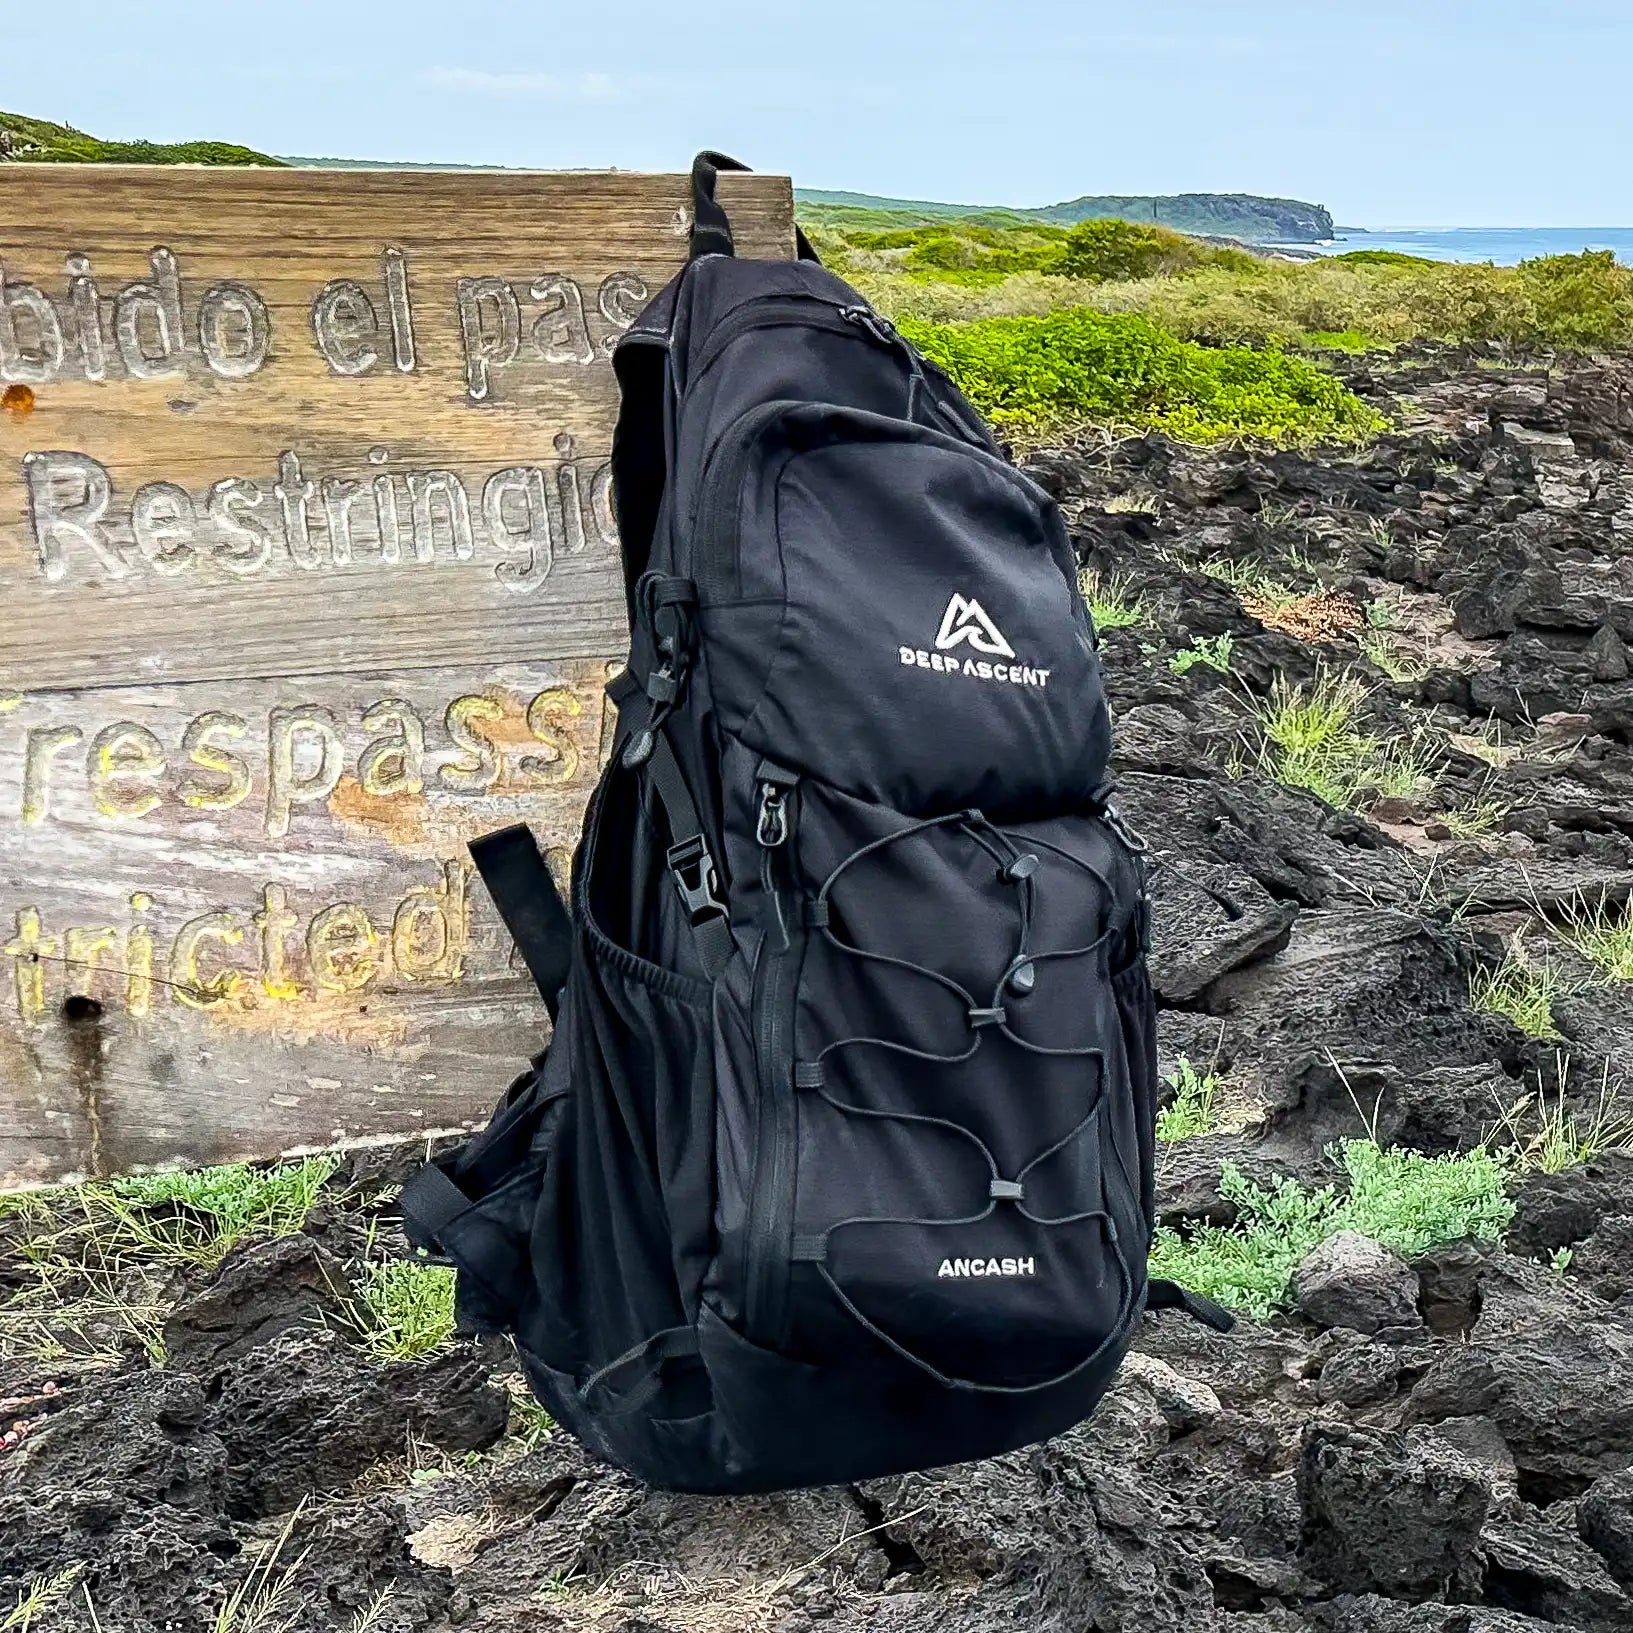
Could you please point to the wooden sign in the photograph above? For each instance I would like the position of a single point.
(309, 574)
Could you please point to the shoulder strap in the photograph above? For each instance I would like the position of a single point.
(525, 893)
(711, 227)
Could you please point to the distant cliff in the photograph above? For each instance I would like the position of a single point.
(24, 140)
(1246, 216)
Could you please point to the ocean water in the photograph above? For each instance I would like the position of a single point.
(1503, 245)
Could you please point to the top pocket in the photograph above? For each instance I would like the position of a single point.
(895, 612)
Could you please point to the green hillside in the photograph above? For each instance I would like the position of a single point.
(24, 140)
(1246, 216)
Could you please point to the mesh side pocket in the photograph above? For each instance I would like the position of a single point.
(1137, 1010)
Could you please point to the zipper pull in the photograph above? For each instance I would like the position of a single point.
(881, 328)
(776, 782)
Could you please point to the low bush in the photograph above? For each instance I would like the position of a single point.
(1043, 377)
(1403, 1199)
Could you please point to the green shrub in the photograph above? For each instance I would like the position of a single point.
(38, 141)
(1382, 257)
(1040, 377)
(1106, 249)
(1403, 1199)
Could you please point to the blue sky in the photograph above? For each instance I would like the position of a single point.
(1438, 112)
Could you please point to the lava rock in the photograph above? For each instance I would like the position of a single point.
(257, 1294)
(1549, 1572)
(1604, 1517)
(1552, 1211)
(1605, 1261)
(309, 1414)
(1391, 1513)
(141, 1438)
(1351, 1281)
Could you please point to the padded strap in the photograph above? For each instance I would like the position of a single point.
(525, 893)
(1169, 1295)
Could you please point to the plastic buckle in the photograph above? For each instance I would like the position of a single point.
(695, 878)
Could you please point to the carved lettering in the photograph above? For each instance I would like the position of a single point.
(620, 299)
(246, 541)
(516, 513)
(395, 265)
(41, 747)
(562, 334)
(305, 757)
(162, 519)
(393, 763)
(549, 717)
(31, 349)
(232, 769)
(490, 326)
(147, 321)
(234, 331)
(86, 302)
(343, 948)
(346, 327)
(121, 754)
(190, 985)
(479, 769)
(68, 497)
(441, 493)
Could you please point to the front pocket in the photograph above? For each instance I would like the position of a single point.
(930, 1162)
(906, 626)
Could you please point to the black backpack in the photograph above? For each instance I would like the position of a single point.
(840, 1162)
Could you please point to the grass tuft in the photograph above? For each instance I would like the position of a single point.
(1546, 1135)
(408, 1308)
(1311, 738)
(1520, 988)
(1405, 1200)
(1109, 601)
(1191, 1112)
(1603, 936)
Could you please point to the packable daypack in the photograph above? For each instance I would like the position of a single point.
(840, 1160)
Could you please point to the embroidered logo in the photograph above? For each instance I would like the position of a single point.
(966, 620)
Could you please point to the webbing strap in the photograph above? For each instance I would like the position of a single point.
(671, 1344)
(711, 229)
(1162, 1294)
(690, 862)
(429, 1203)
(525, 893)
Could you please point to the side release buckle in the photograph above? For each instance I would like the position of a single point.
(695, 878)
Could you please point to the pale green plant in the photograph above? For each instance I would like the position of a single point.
(1407, 1201)
(1191, 1111)
(1110, 603)
(1212, 651)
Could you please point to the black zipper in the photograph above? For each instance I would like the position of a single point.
(769, 312)
(776, 1133)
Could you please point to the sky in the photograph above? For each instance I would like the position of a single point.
(1390, 112)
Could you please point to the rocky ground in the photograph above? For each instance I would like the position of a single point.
(1444, 1446)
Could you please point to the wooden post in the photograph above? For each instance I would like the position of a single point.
(309, 574)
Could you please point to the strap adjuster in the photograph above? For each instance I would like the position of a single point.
(695, 878)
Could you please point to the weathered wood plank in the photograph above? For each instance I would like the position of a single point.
(310, 576)
(237, 917)
(294, 393)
